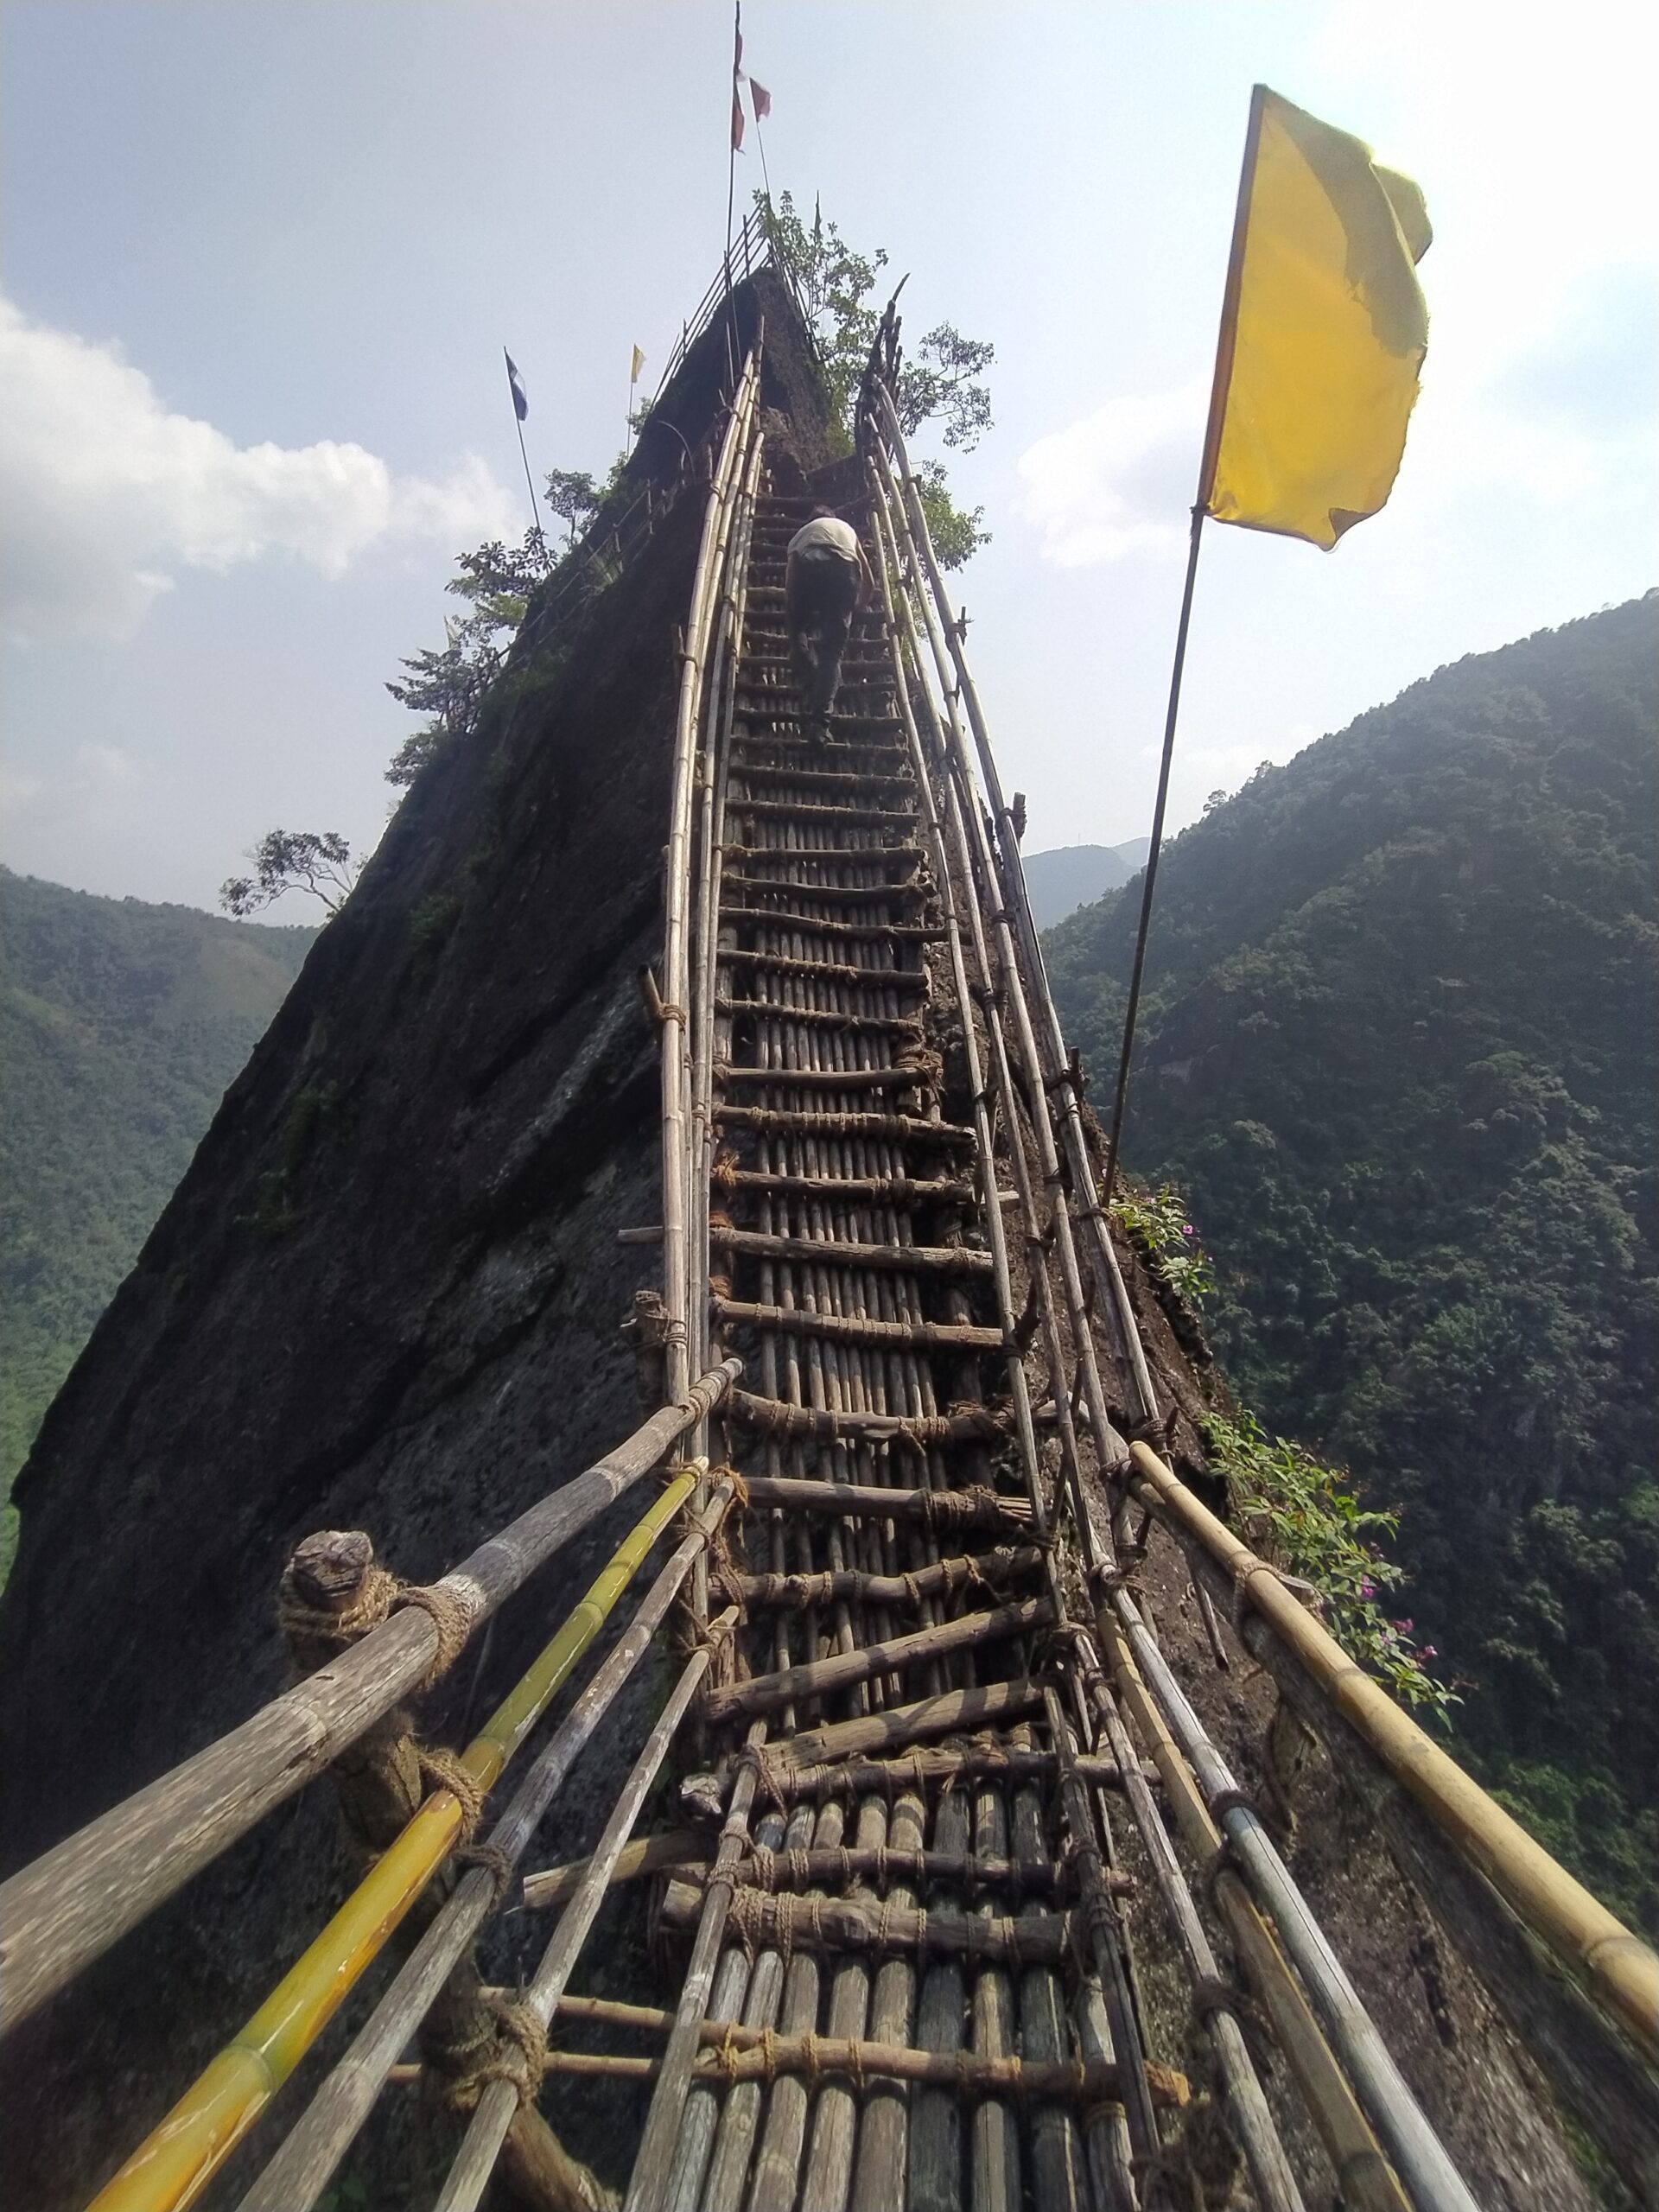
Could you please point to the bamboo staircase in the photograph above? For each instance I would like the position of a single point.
(930, 1749)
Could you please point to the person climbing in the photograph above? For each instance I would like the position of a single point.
(824, 585)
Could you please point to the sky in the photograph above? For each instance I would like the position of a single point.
(258, 263)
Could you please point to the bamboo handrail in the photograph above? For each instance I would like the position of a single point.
(68, 1907)
(469, 2175)
(319, 2138)
(177, 2159)
(1619, 1970)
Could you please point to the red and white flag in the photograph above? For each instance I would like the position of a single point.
(737, 122)
(760, 97)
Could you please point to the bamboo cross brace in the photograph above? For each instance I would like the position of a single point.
(822, 1678)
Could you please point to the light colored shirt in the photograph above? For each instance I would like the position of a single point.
(826, 534)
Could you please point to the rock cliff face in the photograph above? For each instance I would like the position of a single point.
(385, 1295)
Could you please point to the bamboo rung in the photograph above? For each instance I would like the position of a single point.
(767, 810)
(876, 1928)
(822, 1678)
(886, 1190)
(820, 1017)
(759, 1593)
(840, 971)
(795, 1120)
(940, 1510)
(971, 2073)
(897, 1078)
(829, 856)
(797, 922)
(953, 1712)
(923, 1768)
(810, 1868)
(772, 1417)
(849, 1329)
(907, 1259)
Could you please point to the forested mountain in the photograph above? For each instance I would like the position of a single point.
(121, 1025)
(1074, 875)
(1399, 1049)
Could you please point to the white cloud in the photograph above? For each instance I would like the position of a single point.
(1118, 482)
(106, 494)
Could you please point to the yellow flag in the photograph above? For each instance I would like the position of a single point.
(1323, 332)
(638, 364)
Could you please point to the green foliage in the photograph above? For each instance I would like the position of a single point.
(943, 384)
(572, 494)
(449, 686)
(432, 920)
(1160, 1223)
(955, 530)
(1399, 1047)
(1304, 1518)
(121, 1025)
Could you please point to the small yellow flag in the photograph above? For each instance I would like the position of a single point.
(1323, 332)
(638, 364)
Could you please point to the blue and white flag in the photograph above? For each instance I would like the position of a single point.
(520, 405)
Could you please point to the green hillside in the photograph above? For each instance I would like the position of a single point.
(121, 1025)
(1400, 1051)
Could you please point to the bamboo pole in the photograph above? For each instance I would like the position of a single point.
(1362, 2174)
(1056, 1073)
(1418, 2156)
(675, 1042)
(649, 2183)
(319, 2138)
(822, 1678)
(681, 1848)
(67, 1907)
(176, 2160)
(469, 2174)
(773, 1416)
(1621, 1971)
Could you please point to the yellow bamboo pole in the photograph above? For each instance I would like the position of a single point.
(175, 2163)
(1620, 1970)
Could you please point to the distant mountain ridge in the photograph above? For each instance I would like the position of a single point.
(121, 1026)
(1076, 875)
(1400, 1048)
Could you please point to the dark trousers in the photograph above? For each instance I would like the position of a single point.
(821, 596)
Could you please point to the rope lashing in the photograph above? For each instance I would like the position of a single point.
(374, 1594)
(444, 1770)
(516, 2053)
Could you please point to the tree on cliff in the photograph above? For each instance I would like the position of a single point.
(945, 382)
(317, 862)
(496, 581)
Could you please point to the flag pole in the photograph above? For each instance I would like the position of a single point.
(517, 423)
(1223, 378)
(731, 176)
